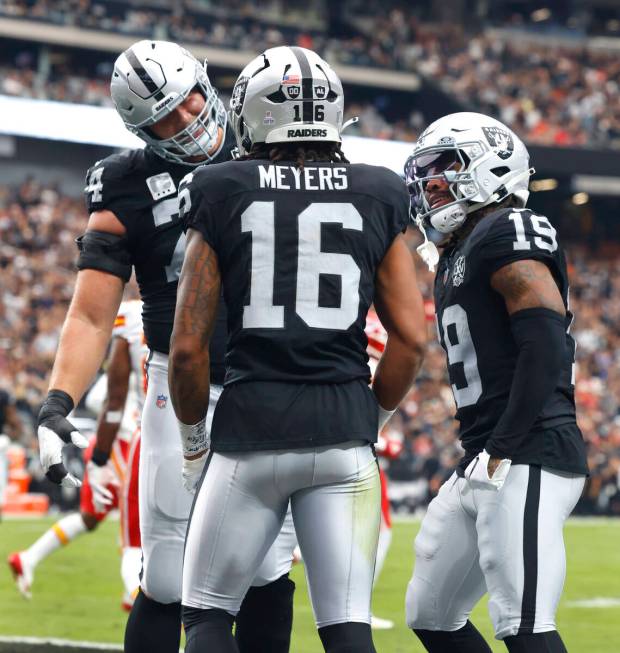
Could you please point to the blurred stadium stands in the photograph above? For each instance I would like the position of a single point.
(548, 78)
(554, 76)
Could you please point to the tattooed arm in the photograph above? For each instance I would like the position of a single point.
(527, 284)
(197, 301)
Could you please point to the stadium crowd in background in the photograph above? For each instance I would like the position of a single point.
(38, 226)
(63, 86)
(552, 95)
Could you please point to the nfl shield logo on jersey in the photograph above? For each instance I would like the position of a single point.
(161, 401)
(458, 274)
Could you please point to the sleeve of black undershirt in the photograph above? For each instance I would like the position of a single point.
(540, 336)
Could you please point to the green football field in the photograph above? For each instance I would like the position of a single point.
(77, 590)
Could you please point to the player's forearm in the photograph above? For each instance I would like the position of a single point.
(397, 370)
(106, 435)
(117, 388)
(197, 300)
(110, 419)
(189, 380)
(80, 354)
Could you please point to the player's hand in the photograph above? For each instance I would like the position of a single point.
(486, 472)
(54, 431)
(100, 478)
(192, 471)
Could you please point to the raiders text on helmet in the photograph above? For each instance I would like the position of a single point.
(286, 94)
(149, 81)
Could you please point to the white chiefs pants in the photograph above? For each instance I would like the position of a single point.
(508, 543)
(335, 498)
(165, 504)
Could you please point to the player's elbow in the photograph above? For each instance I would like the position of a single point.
(412, 342)
(181, 355)
(186, 353)
(417, 344)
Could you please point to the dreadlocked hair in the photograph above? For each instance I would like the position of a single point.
(301, 152)
(510, 202)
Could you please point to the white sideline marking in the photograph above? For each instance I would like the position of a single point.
(581, 521)
(63, 643)
(596, 602)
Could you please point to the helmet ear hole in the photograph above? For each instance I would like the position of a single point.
(501, 171)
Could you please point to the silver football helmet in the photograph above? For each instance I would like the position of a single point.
(481, 160)
(286, 94)
(150, 79)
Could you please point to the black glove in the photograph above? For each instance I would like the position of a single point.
(54, 430)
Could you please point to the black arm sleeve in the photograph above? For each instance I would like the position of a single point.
(540, 335)
(103, 251)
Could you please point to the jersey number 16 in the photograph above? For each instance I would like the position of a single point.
(261, 312)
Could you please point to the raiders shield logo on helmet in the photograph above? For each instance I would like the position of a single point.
(500, 140)
(238, 94)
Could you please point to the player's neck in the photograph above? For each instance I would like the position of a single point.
(474, 218)
(458, 236)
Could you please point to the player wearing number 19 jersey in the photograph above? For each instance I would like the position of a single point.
(501, 301)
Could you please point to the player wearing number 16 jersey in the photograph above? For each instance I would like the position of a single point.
(501, 300)
(301, 242)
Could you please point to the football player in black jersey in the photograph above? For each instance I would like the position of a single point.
(501, 301)
(301, 242)
(164, 96)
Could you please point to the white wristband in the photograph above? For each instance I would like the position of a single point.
(114, 416)
(384, 416)
(194, 437)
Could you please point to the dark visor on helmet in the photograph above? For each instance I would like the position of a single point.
(433, 163)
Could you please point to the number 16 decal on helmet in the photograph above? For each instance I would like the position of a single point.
(287, 94)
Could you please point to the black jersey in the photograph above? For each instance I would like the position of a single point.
(298, 251)
(140, 188)
(474, 329)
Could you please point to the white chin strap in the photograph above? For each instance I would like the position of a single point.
(427, 250)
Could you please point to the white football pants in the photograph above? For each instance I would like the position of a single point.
(335, 497)
(165, 504)
(508, 543)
